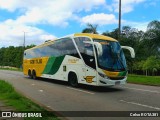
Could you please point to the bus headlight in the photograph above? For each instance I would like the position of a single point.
(102, 75)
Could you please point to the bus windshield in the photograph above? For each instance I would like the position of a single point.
(112, 57)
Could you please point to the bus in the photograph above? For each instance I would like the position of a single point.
(80, 58)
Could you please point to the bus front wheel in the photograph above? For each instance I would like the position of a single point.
(72, 79)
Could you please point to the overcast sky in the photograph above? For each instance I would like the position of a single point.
(47, 19)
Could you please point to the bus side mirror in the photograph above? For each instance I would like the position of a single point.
(130, 49)
(99, 48)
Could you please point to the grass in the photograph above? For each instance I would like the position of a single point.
(146, 80)
(11, 98)
(12, 69)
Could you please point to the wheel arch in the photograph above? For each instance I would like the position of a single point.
(75, 72)
(29, 71)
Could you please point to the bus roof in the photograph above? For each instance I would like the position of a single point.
(41, 45)
(95, 36)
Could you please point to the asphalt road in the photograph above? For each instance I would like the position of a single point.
(59, 96)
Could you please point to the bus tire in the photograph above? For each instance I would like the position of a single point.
(30, 74)
(34, 74)
(72, 79)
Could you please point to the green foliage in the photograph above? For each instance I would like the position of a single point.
(12, 56)
(139, 65)
(90, 29)
(113, 34)
(152, 64)
(20, 103)
(5, 87)
(146, 80)
(154, 25)
(146, 46)
(87, 30)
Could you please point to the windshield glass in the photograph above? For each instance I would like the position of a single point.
(112, 57)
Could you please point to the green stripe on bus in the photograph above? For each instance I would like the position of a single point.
(53, 65)
(122, 73)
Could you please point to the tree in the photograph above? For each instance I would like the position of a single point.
(154, 25)
(90, 29)
(152, 64)
(153, 39)
(2, 56)
(113, 34)
(12, 56)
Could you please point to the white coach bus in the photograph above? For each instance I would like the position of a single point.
(79, 58)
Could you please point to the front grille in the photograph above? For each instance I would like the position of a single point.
(116, 78)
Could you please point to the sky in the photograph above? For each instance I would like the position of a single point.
(42, 20)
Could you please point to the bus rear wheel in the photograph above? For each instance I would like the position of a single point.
(72, 79)
(34, 74)
(30, 74)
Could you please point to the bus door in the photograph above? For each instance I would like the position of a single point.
(85, 48)
(90, 65)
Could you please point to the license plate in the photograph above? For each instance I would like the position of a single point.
(117, 83)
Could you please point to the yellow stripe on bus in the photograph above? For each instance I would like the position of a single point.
(111, 74)
(37, 64)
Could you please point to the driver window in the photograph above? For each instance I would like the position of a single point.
(86, 50)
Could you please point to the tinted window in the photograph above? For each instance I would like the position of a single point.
(60, 47)
(86, 50)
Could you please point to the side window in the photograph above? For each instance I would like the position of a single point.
(86, 50)
(67, 47)
(54, 49)
(33, 53)
(60, 47)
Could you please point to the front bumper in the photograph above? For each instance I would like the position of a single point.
(111, 82)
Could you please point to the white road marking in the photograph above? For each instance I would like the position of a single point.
(134, 103)
(142, 90)
(80, 90)
(32, 84)
(40, 90)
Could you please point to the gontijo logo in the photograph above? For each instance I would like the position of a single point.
(89, 79)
